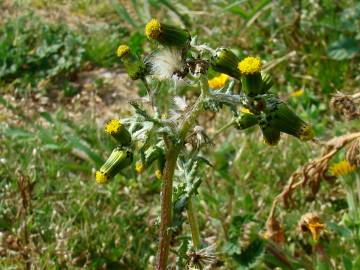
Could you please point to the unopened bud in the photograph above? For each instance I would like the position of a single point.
(281, 117)
(225, 61)
(118, 160)
(167, 35)
(135, 67)
(117, 130)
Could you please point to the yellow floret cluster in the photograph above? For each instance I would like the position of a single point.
(245, 110)
(306, 133)
(139, 167)
(250, 65)
(297, 93)
(158, 174)
(100, 177)
(122, 50)
(342, 168)
(219, 81)
(113, 126)
(153, 29)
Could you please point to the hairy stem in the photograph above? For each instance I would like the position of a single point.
(167, 184)
(222, 129)
(194, 225)
(166, 197)
(150, 95)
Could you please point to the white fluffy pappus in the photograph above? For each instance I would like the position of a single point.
(165, 62)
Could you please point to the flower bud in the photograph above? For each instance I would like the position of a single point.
(152, 154)
(225, 61)
(266, 82)
(118, 131)
(161, 161)
(251, 79)
(271, 135)
(117, 161)
(167, 35)
(246, 120)
(139, 167)
(281, 117)
(135, 68)
(158, 174)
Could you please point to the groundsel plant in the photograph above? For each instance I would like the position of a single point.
(168, 137)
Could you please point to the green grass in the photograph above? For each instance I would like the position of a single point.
(72, 223)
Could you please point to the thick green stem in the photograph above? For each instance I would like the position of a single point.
(194, 225)
(167, 184)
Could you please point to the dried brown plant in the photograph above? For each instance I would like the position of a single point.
(274, 231)
(346, 105)
(310, 223)
(353, 153)
(315, 170)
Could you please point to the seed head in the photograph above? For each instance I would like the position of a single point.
(165, 63)
(345, 105)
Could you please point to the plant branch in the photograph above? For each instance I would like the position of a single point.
(312, 172)
(194, 224)
(222, 129)
(167, 184)
(150, 94)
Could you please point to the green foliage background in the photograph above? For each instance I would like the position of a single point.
(71, 223)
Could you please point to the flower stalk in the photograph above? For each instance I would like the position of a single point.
(172, 155)
(166, 198)
(194, 224)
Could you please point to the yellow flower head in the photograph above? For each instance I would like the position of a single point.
(153, 29)
(245, 110)
(250, 65)
(342, 168)
(158, 174)
(310, 222)
(122, 50)
(219, 81)
(297, 93)
(306, 133)
(113, 126)
(139, 167)
(101, 177)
